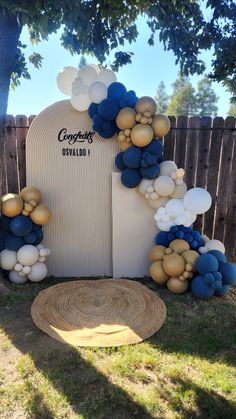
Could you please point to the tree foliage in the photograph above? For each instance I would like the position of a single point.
(206, 98)
(161, 98)
(232, 109)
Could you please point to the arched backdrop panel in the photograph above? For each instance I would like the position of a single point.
(78, 189)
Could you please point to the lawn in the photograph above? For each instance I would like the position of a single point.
(186, 370)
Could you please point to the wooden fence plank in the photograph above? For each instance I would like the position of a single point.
(192, 151)
(203, 161)
(169, 140)
(11, 156)
(224, 177)
(181, 141)
(3, 175)
(212, 174)
(230, 224)
(21, 133)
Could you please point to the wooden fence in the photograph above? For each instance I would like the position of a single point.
(204, 147)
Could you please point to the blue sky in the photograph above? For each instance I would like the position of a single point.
(149, 66)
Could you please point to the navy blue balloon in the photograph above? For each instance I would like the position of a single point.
(218, 255)
(228, 271)
(155, 147)
(93, 108)
(119, 161)
(150, 172)
(31, 237)
(206, 263)
(36, 227)
(108, 109)
(132, 157)
(97, 119)
(200, 288)
(116, 91)
(39, 234)
(223, 291)
(209, 278)
(21, 225)
(13, 242)
(162, 238)
(5, 223)
(131, 178)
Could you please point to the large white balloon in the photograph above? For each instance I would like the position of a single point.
(197, 200)
(38, 272)
(97, 92)
(78, 87)
(65, 78)
(80, 102)
(88, 74)
(107, 77)
(174, 207)
(27, 255)
(215, 245)
(8, 259)
(16, 278)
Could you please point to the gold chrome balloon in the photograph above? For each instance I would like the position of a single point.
(141, 135)
(146, 104)
(160, 125)
(30, 193)
(41, 214)
(12, 205)
(126, 118)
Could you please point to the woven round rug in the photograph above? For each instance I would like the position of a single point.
(106, 312)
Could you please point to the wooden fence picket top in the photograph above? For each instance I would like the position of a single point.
(192, 151)
(11, 155)
(21, 133)
(169, 140)
(180, 141)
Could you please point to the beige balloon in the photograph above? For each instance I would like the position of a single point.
(146, 104)
(160, 125)
(157, 253)
(11, 205)
(179, 246)
(141, 135)
(123, 145)
(30, 193)
(190, 256)
(157, 273)
(176, 286)
(126, 118)
(167, 167)
(164, 185)
(173, 265)
(41, 214)
(159, 202)
(179, 191)
(144, 184)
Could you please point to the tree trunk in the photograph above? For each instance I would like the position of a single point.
(10, 30)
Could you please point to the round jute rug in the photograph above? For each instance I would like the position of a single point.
(106, 312)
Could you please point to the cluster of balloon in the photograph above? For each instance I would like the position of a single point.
(169, 184)
(21, 234)
(193, 237)
(215, 275)
(173, 265)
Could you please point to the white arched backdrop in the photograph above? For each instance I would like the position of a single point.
(86, 236)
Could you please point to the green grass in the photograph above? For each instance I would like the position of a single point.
(186, 370)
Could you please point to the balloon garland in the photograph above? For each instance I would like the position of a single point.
(21, 234)
(182, 257)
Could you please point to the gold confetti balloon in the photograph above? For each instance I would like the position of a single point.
(176, 286)
(126, 118)
(30, 193)
(146, 104)
(41, 214)
(160, 125)
(12, 205)
(141, 135)
(157, 273)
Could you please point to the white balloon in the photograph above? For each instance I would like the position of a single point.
(26, 270)
(16, 278)
(164, 185)
(42, 259)
(107, 77)
(88, 74)
(8, 259)
(175, 207)
(164, 225)
(18, 267)
(65, 78)
(167, 167)
(159, 202)
(43, 252)
(197, 200)
(38, 272)
(205, 238)
(96, 68)
(144, 184)
(78, 87)
(27, 255)
(97, 92)
(80, 102)
(215, 245)
(179, 191)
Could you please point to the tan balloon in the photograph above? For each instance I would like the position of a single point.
(126, 118)
(123, 145)
(30, 193)
(160, 125)
(157, 253)
(141, 135)
(179, 191)
(157, 273)
(176, 286)
(12, 205)
(159, 202)
(41, 214)
(173, 265)
(179, 246)
(167, 167)
(146, 104)
(190, 256)
(164, 185)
